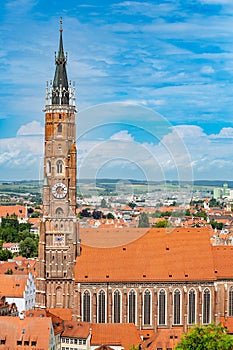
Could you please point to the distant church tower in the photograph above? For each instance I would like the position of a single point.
(58, 246)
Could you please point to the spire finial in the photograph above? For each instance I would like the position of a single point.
(61, 24)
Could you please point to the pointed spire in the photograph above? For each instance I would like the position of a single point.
(60, 94)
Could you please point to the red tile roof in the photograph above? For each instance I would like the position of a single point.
(106, 238)
(111, 334)
(227, 323)
(13, 285)
(64, 314)
(36, 329)
(18, 267)
(164, 339)
(57, 321)
(223, 261)
(76, 329)
(19, 210)
(158, 255)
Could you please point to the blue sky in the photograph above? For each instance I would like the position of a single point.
(153, 84)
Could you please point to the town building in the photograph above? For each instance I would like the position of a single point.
(19, 289)
(12, 247)
(26, 333)
(157, 279)
(7, 309)
(19, 210)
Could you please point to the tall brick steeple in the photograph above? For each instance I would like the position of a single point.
(58, 247)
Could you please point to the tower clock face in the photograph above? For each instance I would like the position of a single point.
(59, 190)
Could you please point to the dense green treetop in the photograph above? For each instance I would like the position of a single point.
(209, 337)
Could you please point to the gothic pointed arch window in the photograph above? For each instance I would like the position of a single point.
(230, 302)
(59, 167)
(101, 307)
(59, 128)
(162, 307)
(58, 297)
(192, 306)
(48, 167)
(177, 307)
(206, 306)
(86, 306)
(117, 307)
(59, 212)
(132, 307)
(147, 307)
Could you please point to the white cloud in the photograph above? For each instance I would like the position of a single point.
(183, 149)
(122, 135)
(32, 128)
(208, 70)
(225, 133)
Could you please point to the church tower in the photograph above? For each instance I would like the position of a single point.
(58, 246)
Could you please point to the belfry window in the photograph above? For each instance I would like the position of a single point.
(132, 306)
(59, 166)
(117, 307)
(86, 306)
(101, 307)
(59, 128)
(48, 167)
(176, 307)
(230, 301)
(206, 306)
(59, 212)
(147, 307)
(192, 307)
(162, 307)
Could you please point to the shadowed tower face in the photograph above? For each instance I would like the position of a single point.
(58, 245)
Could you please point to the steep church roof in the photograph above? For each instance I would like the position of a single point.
(178, 254)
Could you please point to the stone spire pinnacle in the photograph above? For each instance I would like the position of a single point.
(60, 94)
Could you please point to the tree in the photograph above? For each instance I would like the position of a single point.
(209, 337)
(132, 205)
(85, 213)
(28, 247)
(110, 216)
(5, 255)
(35, 214)
(216, 224)
(143, 220)
(162, 223)
(97, 214)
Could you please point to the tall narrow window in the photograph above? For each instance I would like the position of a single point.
(101, 307)
(192, 307)
(162, 307)
(86, 306)
(230, 301)
(206, 306)
(147, 307)
(176, 307)
(132, 306)
(59, 166)
(48, 167)
(59, 128)
(58, 297)
(117, 307)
